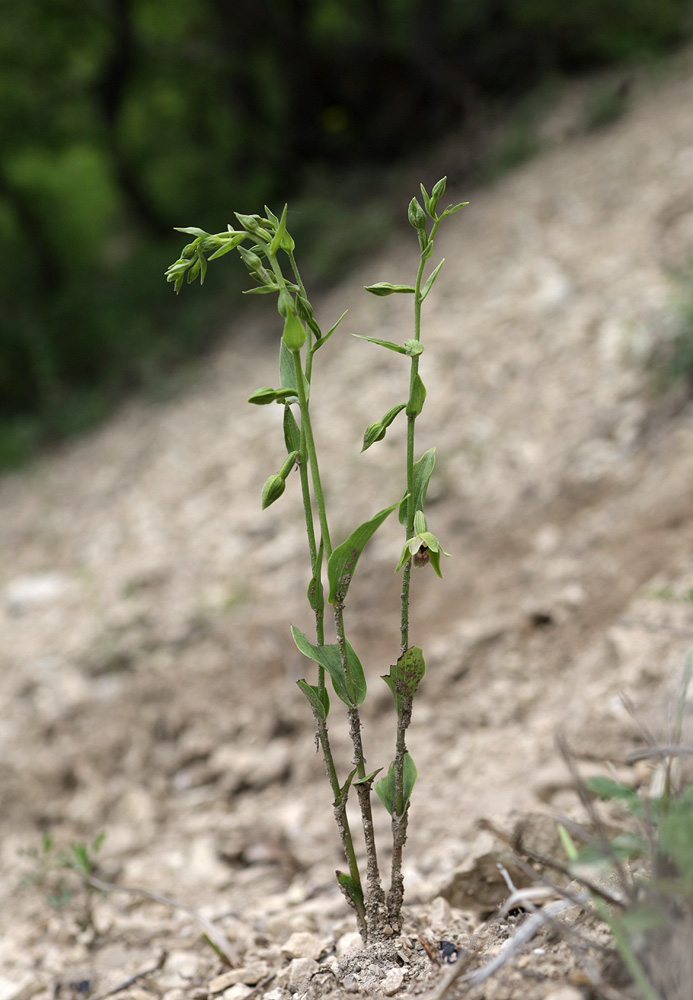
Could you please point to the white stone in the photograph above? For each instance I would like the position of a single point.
(238, 992)
(440, 914)
(302, 944)
(352, 941)
(300, 971)
(30, 591)
(392, 982)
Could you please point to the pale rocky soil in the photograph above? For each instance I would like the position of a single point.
(147, 667)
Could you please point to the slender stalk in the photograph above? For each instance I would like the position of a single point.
(400, 815)
(306, 427)
(375, 898)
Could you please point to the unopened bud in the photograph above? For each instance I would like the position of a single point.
(272, 490)
(416, 215)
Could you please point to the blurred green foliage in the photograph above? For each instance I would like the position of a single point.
(122, 118)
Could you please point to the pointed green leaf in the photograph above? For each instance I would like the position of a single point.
(386, 288)
(271, 217)
(376, 431)
(279, 234)
(427, 251)
(431, 278)
(292, 433)
(316, 593)
(390, 345)
(367, 779)
(344, 558)
(385, 788)
(344, 790)
(418, 395)
(426, 198)
(260, 290)
(190, 231)
(351, 690)
(353, 891)
(319, 700)
(287, 371)
(325, 337)
(451, 209)
(423, 469)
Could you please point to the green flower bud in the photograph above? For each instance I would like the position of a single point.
(285, 303)
(272, 490)
(294, 336)
(417, 217)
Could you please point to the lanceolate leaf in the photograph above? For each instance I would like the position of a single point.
(385, 788)
(353, 891)
(342, 562)
(389, 344)
(432, 277)
(319, 700)
(287, 371)
(351, 690)
(325, 337)
(292, 433)
(423, 470)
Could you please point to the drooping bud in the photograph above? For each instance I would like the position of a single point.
(294, 336)
(272, 490)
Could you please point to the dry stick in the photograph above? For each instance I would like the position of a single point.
(216, 938)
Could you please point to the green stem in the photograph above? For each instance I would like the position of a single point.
(306, 427)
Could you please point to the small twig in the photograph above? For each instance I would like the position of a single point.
(127, 983)
(216, 938)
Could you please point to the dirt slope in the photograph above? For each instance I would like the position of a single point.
(146, 668)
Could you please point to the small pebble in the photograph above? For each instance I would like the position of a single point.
(302, 944)
(300, 971)
(392, 982)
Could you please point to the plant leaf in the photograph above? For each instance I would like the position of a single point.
(279, 234)
(418, 396)
(319, 701)
(431, 278)
(351, 690)
(190, 230)
(287, 371)
(423, 469)
(342, 562)
(353, 891)
(385, 788)
(399, 348)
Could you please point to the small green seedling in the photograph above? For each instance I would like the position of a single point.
(64, 875)
(266, 249)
